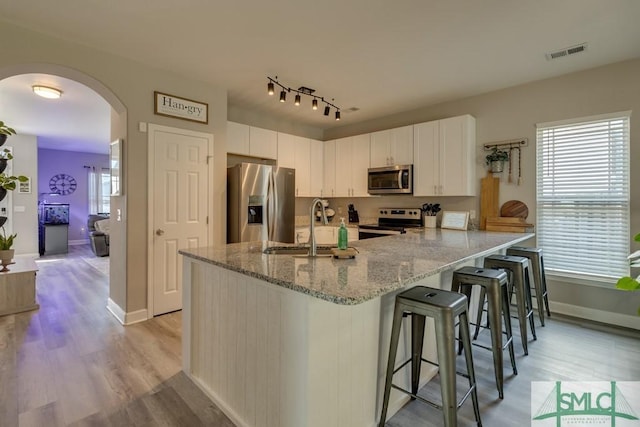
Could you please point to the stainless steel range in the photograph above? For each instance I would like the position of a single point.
(391, 221)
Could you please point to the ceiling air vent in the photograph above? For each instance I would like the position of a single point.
(567, 51)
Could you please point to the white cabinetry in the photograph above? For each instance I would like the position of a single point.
(444, 157)
(352, 162)
(325, 235)
(316, 167)
(252, 141)
(392, 147)
(294, 152)
(329, 174)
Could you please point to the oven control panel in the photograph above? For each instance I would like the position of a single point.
(399, 213)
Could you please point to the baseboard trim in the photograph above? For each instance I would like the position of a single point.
(126, 318)
(624, 320)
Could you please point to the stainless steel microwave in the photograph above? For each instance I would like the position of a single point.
(396, 179)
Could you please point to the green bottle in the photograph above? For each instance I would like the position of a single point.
(343, 235)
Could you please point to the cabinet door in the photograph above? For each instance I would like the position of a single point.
(401, 146)
(352, 234)
(286, 151)
(426, 154)
(316, 167)
(343, 168)
(359, 165)
(237, 138)
(329, 176)
(380, 143)
(263, 143)
(457, 156)
(302, 155)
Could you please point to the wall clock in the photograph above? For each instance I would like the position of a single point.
(62, 184)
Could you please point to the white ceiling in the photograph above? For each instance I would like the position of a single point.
(382, 57)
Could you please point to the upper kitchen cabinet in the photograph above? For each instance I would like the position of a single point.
(352, 162)
(294, 152)
(444, 157)
(316, 167)
(329, 170)
(392, 147)
(252, 141)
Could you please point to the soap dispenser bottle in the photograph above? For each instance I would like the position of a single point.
(343, 235)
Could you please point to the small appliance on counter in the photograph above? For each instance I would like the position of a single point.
(353, 214)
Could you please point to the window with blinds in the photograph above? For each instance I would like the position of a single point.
(583, 196)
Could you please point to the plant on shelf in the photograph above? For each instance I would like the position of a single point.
(629, 283)
(6, 253)
(496, 159)
(5, 131)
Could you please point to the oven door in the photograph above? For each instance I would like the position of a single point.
(370, 233)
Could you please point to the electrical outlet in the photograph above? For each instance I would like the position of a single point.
(472, 214)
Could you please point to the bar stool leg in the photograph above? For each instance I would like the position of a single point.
(527, 290)
(393, 349)
(544, 287)
(464, 335)
(480, 311)
(446, 360)
(495, 310)
(506, 314)
(537, 282)
(417, 341)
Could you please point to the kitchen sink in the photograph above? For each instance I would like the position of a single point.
(297, 250)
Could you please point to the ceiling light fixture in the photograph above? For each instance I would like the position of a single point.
(46, 91)
(302, 90)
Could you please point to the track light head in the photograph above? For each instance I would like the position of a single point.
(337, 115)
(297, 101)
(326, 110)
(270, 88)
(314, 104)
(283, 96)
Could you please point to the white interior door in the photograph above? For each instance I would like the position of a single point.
(179, 184)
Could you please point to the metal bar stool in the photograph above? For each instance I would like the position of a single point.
(443, 306)
(518, 268)
(537, 268)
(493, 283)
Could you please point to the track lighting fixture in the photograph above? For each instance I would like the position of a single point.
(302, 90)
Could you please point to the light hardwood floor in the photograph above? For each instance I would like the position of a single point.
(72, 363)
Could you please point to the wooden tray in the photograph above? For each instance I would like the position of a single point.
(344, 253)
(510, 224)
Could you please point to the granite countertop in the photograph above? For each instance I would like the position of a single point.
(382, 265)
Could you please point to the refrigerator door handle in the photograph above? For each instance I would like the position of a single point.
(273, 195)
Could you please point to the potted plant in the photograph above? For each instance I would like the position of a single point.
(5, 131)
(629, 283)
(5, 156)
(6, 253)
(8, 183)
(496, 159)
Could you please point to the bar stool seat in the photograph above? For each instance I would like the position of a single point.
(444, 307)
(493, 284)
(537, 268)
(518, 268)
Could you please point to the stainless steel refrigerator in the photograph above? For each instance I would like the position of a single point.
(260, 203)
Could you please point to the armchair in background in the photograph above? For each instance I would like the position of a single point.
(98, 226)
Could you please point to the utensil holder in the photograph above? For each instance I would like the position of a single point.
(429, 221)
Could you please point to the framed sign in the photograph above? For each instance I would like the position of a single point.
(24, 187)
(455, 220)
(181, 108)
(115, 163)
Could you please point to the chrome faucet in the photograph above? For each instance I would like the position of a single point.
(312, 220)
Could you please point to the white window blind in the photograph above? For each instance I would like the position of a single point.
(98, 185)
(583, 196)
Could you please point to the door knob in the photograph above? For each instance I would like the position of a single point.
(159, 232)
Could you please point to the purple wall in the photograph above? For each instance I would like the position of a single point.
(53, 162)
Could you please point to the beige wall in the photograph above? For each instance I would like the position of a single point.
(128, 86)
(513, 113)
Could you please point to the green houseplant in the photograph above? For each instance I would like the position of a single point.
(5, 131)
(6, 253)
(496, 159)
(628, 283)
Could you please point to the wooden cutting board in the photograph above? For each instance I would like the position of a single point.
(489, 194)
(514, 208)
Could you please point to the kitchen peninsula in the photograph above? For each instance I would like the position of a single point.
(282, 340)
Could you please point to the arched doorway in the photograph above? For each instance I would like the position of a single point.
(118, 121)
